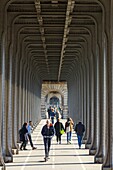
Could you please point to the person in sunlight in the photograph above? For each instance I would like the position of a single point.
(23, 136)
(47, 133)
(58, 130)
(52, 115)
(67, 130)
(79, 129)
(29, 128)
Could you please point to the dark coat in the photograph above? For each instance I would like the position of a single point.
(67, 124)
(52, 114)
(79, 129)
(47, 132)
(58, 126)
(22, 133)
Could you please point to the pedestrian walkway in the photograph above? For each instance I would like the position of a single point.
(62, 157)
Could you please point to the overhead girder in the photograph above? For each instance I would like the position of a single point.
(47, 18)
(58, 15)
(28, 44)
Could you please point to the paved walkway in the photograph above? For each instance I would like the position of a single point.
(62, 157)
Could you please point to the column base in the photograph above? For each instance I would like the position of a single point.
(8, 159)
(2, 163)
(87, 146)
(92, 152)
(15, 151)
(2, 168)
(18, 146)
(84, 141)
(98, 160)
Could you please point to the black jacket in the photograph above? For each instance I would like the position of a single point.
(22, 133)
(79, 129)
(47, 132)
(58, 126)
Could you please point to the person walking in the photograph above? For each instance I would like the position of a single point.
(58, 115)
(71, 128)
(49, 111)
(52, 115)
(58, 127)
(47, 133)
(23, 136)
(79, 129)
(67, 130)
(29, 128)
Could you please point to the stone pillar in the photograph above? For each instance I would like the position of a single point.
(3, 96)
(93, 147)
(108, 143)
(23, 93)
(12, 90)
(94, 100)
(16, 98)
(20, 93)
(9, 120)
(91, 98)
(84, 100)
(88, 130)
(2, 76)
(100, 114)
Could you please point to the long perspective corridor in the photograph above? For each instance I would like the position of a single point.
(59, 54)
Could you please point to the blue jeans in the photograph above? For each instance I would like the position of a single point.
(68, 136)
(52, 119)
(79, 140)
(47, 145)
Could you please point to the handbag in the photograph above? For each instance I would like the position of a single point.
(67, 129)
(62, 131)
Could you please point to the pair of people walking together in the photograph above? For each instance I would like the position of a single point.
(25, 135)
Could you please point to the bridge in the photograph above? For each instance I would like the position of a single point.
(58, 51)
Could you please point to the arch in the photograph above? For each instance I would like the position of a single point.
(50, 89)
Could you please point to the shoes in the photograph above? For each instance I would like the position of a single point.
(33, 148)
(21, 149)
(60, 142)
(24, 149)
(46, 159)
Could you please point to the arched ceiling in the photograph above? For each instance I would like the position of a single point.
(55, 33)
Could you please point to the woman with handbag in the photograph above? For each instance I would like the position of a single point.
(59, 129)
